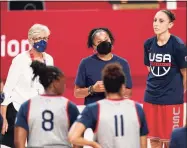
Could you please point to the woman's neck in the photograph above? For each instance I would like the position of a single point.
(114, 96)
(50, 92)
(105, 57)
(162, 39)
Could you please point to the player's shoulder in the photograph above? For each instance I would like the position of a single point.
(85, 60)
(149, 41)
(133, 103)
(118, 58)
(25, 105)
(89, 58)
(68, 103)
(177, 39)
(138, 105)
(93, 106)
(71, 104)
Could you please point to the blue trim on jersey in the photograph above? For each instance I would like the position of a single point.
(73, 112)
(21, 119)
(179, 138)
(143, 123)
(89, 116)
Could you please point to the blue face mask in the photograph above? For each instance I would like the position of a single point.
(40, 46)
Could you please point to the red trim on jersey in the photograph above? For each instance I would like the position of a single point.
(68, 113)
(115, 99)
(28, 112)
(47, 95)
(137, 115)
(98, 118)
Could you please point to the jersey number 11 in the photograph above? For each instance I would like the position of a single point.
(118, 119)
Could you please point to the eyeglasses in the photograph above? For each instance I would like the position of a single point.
(40, 38)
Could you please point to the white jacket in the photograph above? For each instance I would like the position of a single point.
(19, 86)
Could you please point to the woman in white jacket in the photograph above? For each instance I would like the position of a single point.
(19, 86)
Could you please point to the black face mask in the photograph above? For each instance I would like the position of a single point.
(104, 47)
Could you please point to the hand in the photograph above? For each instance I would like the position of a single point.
(5, 126)
(98, 87)
(96, 145)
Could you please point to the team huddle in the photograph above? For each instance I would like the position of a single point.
(34, 110)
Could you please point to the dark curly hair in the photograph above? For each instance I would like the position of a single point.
(94, 31)
(46, 73)
(113, 77)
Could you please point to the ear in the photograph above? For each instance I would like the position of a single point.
(171, 24)
(31, 42)
(124, 87)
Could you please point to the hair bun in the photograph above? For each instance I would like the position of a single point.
(39, 68)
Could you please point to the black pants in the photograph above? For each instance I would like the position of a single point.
(8, 138)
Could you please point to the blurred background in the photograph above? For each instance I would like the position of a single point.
(70, 22)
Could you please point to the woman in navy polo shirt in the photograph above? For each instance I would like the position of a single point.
(88, 83)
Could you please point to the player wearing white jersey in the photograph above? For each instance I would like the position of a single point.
(45, 119)
(116, 121)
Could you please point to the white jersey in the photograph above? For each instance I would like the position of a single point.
(116, 123)
(48, 121)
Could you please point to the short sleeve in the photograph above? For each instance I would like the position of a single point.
(81, 75)
(126, 69)
(89, 116)
(181, 55)
(143, 124)
(73, 112)
(21, 119)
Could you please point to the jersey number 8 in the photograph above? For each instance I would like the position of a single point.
(47, 123)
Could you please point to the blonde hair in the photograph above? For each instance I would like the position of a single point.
(35, 31)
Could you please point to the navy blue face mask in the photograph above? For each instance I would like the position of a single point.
(40, 46)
